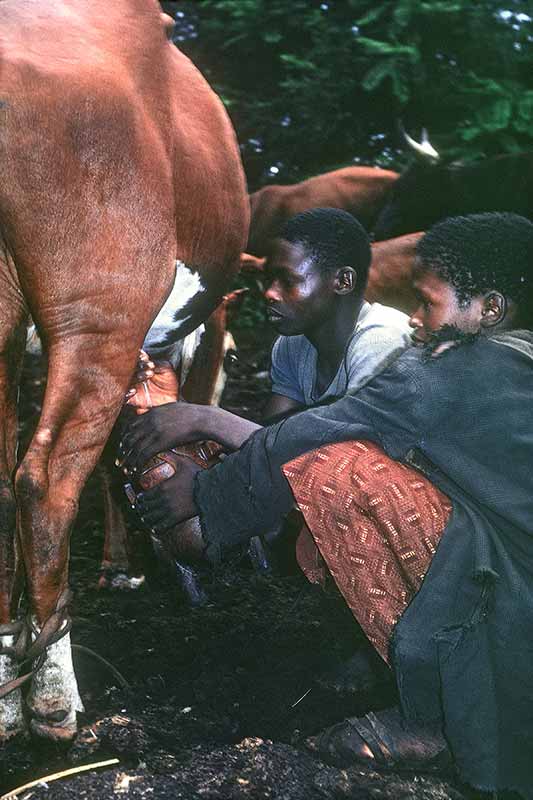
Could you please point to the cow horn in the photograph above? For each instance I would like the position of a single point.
(423, 148)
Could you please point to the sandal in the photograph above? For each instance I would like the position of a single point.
(382, 740)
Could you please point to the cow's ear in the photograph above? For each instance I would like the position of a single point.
(251, 263)
(494, 309)
(345, 280)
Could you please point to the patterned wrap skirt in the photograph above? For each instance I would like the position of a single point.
(373, 522)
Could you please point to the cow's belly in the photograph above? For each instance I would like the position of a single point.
(175, 315)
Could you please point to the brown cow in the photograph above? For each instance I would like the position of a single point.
(390, 275)
(122, 199)
(363, 191)
(390, 278)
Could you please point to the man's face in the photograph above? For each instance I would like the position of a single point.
(440, 306)
(299, 297)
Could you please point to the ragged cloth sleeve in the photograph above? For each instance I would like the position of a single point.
(247, 494)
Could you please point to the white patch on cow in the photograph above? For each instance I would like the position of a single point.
(33, 342)
(167, 325)
(11, 718)
(54, 688)
(44, 436)
(229, 344)
(189, 347)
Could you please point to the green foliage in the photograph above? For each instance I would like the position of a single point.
(463, 67)
(319, 83)
(522, 122)
(251, 314)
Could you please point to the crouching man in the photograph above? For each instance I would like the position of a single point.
(418, 493)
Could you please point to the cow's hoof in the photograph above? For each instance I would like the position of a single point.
(12, 722)
(119, 581)
(13, 736)
(11, 716)
(53, 699)
(53, 722)
(59, 732)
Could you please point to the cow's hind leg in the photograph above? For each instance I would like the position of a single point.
(12, 339)
(121, 567)
(85, 388)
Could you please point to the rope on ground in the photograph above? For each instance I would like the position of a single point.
(118, 675)
(58, 775)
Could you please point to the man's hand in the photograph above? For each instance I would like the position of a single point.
(160, 429)
(154, 384)
(171, 501)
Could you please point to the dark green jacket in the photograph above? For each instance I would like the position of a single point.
(463, 650)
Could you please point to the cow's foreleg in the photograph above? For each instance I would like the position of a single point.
(12, 339)
(85, 389)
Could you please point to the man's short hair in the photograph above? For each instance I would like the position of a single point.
(480, 253)
(334, 239)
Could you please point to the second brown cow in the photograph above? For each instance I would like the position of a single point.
(363, 191)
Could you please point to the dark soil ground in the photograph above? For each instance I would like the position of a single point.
(221, 698)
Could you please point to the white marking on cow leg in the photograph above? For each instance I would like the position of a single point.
(121, 581)
(54, 698)
(189, 347)
(11, 717)
(33, 342)
(229, 344)
(166, 327)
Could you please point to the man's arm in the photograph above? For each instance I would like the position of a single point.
(173, 424)
(278, 406)
(163, 423)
